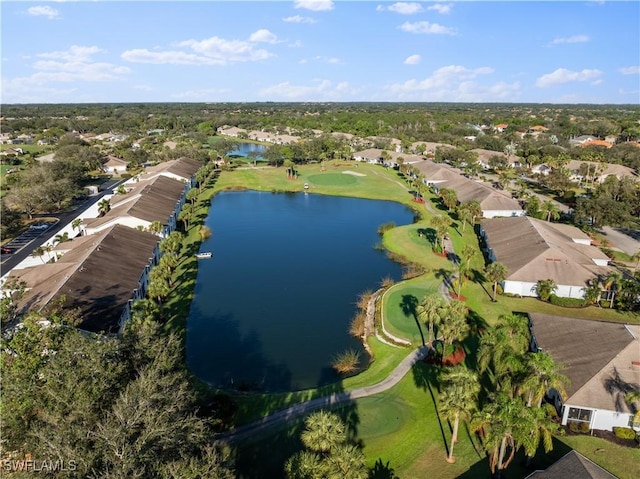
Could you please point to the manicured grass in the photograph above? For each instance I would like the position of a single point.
(623, 462)
(332, 179)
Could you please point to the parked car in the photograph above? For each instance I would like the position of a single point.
(39, 226)
(5, 250)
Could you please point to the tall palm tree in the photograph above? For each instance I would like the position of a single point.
(430, 311)
(496, 272)
(323, 431)
(499, 423)
(61, 238)
(346, 461)
(156, 227)
(550, 210)
(453, 327)
(441, 224)
(540, 375)
(104, 207)
(75, 224)
(449, 197)
(459, 399)
(534, 427)
(613, 283)
(464, 215)
(467, 254)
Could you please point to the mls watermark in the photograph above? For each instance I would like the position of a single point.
(33, 465)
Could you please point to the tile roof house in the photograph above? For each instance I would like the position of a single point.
(572, 465)
(485, 155)
(534, 250)
(182, 169)
(600, 169)
(156, 199)
(113, 164)
(602, 362)
(494, 203)
(99, 274)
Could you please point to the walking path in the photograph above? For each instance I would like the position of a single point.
(284, 415)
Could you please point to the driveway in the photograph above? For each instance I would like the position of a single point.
(624, 240)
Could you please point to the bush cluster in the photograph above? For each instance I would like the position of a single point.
(567, 302)
(624, 432)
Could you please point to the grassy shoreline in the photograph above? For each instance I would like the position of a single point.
(414, 444)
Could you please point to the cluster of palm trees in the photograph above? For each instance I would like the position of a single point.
(446, 320)
(502, 401)
(328, 452)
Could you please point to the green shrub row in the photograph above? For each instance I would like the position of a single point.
(567, 302)
(624, 432)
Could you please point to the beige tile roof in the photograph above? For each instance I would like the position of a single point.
(98, 276)
(534, 250)
(182, 167)
(572, 465)
(598, 357)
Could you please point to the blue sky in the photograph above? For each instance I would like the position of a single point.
(220, 51)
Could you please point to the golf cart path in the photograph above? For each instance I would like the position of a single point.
(279, 417)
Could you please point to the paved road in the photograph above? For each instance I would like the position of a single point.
(621, 240)
(29, 241)
(284, 415)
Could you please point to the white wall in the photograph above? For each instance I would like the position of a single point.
(524, 288)
(501, 213)
(600, 418)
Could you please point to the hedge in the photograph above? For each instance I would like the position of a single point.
(567, 302)
(624, 432)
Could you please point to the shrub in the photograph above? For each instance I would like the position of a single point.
(582, 427)
(567, 302)
(386, 227)
(624, 432)
(346, 362)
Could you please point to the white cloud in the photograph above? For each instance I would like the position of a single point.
(404, 8)
(44, 11)
(210, 51)
(322, 90)
(314, 5)
(170, 57)
(74, 64)
(331, 60)
(426, 28)
(455, 83)
(572, 39)
(562, 75)
(263, 35)
(298, 19)
(412, 60)
(633, 70)
(442, 8)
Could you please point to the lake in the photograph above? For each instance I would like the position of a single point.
(243, 149)
(272, 307)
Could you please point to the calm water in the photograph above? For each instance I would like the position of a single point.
(272, 307)
(243, 149)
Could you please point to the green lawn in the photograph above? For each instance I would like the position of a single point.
(401, 426)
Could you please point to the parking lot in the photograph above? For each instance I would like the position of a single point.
(17, 244)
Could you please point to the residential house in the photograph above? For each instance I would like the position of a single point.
(501, 127)
(428, 147)
(598, 171)
(232, 131)
(485, 155)
(596, 142)
(580, 140)
(157, 199)
(100, 275)
(182, 169)
(572, 465)
(601, 360)
(534, 250)
(115, 165)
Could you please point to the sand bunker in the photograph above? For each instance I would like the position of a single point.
(354, 173)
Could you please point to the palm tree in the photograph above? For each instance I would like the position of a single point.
(61, 238)
(540, 375)
(453, 326)
(499, 423)
(346, 461)
(430, 311)
(545, 288)
(550, 210)
(449, 198)
(192, 196)
(304, 465)
(464, 215)
(39, 253)
(501, 347)
(156, 227)
(185, 215)
(475, 209)
(121, 190)
(75, 224)
(467, 254)
(535, 426)
(172, 243)
(613, 283)
(441, 224)
(496, 272)
(204, 232)
(459, 399)
(323, 431)
(104, 207)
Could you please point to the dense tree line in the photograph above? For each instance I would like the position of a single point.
(116, 407)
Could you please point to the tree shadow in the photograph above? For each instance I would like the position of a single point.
(430, 235)
(409, 305)
(382, 471)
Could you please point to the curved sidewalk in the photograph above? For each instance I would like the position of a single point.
(246, 431)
